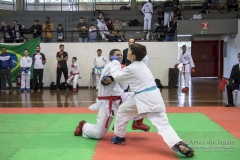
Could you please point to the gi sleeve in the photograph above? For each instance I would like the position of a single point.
(120, 75)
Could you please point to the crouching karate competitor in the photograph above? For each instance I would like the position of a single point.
(110, 96)
(147, 101)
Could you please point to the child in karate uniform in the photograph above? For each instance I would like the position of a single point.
(74, 75)
(146, 102)
(25, 64)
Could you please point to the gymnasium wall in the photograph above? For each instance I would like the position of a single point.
(162, 55)
(232, 50)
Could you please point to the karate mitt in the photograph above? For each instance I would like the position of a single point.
(72, 65)
(114, 58)
(71, 72)
(104, 80)
(192, 70)
(176, 65)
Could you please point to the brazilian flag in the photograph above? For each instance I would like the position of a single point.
(16, 52)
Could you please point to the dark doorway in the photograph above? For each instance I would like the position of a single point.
(208, 58)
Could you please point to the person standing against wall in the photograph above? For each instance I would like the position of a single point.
(39, 61)
(62, 58)
(147, 10)
(99, 63)
(5, 69)
(186, 60)
(25, 64)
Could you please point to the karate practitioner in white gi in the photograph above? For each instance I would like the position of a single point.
(99, 63)
(147, 10)
(110, 95)
(185, 59)
(147, 101)
(25, 64)
(74, 75)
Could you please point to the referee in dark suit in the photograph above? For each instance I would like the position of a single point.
(233, 82)
(125, 61)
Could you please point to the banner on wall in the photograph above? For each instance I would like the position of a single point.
(16, 52)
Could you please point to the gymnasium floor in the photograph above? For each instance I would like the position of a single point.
(40, 126)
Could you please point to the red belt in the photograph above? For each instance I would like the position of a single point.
(110, 99)
(72, 75)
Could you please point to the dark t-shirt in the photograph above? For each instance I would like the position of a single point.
(85, 32)
(62, 64)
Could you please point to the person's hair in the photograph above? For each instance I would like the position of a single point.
(3, 47)
(61, 45)
(131, 38)
(75, 58)
(184, 46)
(113, 51)
(81, 18)
(59, 25)
(37, 46)
(99, 50)
(26, 50)
(239, 54)
(25, 38)
(15, 21)
(138, 50)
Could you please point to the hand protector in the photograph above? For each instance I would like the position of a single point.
(114, 58)
(25, 69)
(103, 81)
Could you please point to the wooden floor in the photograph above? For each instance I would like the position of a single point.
(203, 92)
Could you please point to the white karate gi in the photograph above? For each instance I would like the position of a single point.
(98, 130)
(187, 61)
(74, 76)
(146, 103)
(147, 10)
(99, 63)
(25, 77)
(103, 30)
(146, 60)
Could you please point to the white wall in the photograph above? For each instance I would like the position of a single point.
(233, 48)
(162, 55)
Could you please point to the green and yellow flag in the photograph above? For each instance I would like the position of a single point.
(16, 52)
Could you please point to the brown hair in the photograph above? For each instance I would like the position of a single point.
(138, 50)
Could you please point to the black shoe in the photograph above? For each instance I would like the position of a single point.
(229, 105)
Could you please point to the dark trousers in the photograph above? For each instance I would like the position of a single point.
(5, 74)
(59, 74)
(230, 88)
(37, 78)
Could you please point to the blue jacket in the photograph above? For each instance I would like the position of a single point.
(5, 61)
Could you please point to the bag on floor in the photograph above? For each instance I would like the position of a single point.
(53, 86)
(159, 84)
(62, 86)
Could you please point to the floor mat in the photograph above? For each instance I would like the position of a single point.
(50, 136)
